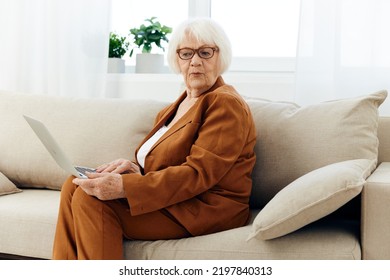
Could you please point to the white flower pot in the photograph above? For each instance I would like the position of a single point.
(149, 63)
(116, 65)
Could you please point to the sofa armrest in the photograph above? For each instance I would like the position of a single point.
(375, 224)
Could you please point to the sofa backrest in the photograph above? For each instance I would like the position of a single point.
(90, 131)
(294, 140)
(291, 140)
(384, 139)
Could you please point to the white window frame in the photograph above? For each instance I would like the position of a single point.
(202, 8)
(199, 8)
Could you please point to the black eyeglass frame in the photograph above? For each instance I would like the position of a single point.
(214, 49)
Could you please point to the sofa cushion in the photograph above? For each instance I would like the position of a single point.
(6, 186)
(311, 197)
(28, 222)
(31, 218)
(90, 131)
(318, 241)
(294, 140)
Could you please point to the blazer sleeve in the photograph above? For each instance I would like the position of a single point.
(221, 133)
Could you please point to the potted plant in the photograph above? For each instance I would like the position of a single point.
(144, 38)
(118, 46)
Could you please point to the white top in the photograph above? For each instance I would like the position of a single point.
(145, 148)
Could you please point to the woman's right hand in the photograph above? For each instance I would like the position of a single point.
(119, 166)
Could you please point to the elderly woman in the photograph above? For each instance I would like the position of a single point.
(191, 174)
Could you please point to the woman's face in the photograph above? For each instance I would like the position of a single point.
(199, 73)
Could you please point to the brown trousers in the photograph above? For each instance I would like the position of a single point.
(89, 228)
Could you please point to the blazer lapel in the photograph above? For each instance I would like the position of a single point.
(187, 117)
(164, 118)
(182, 122)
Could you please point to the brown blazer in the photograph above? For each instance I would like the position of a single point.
(200, 169)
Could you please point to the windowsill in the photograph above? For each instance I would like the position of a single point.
(265, 77)
(168, 86)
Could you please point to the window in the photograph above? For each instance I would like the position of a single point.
(263, 32)
(259, 28)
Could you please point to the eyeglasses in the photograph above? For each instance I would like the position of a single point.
(205, 52)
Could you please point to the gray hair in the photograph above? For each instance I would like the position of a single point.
(204, 30)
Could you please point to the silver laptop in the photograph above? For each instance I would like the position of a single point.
(55, 150)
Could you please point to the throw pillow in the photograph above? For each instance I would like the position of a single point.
(6, 186)
(294, 140)
(311, 197)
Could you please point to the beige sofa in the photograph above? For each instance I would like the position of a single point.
(321, 190)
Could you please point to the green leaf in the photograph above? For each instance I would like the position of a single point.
(154, 37)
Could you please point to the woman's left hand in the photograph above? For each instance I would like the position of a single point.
(119, 166)
(104, 186)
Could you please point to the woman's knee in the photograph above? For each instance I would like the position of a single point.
(81, 201)
(68, 186)
(67, 189)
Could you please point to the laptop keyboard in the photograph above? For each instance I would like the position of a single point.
(82, 170)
